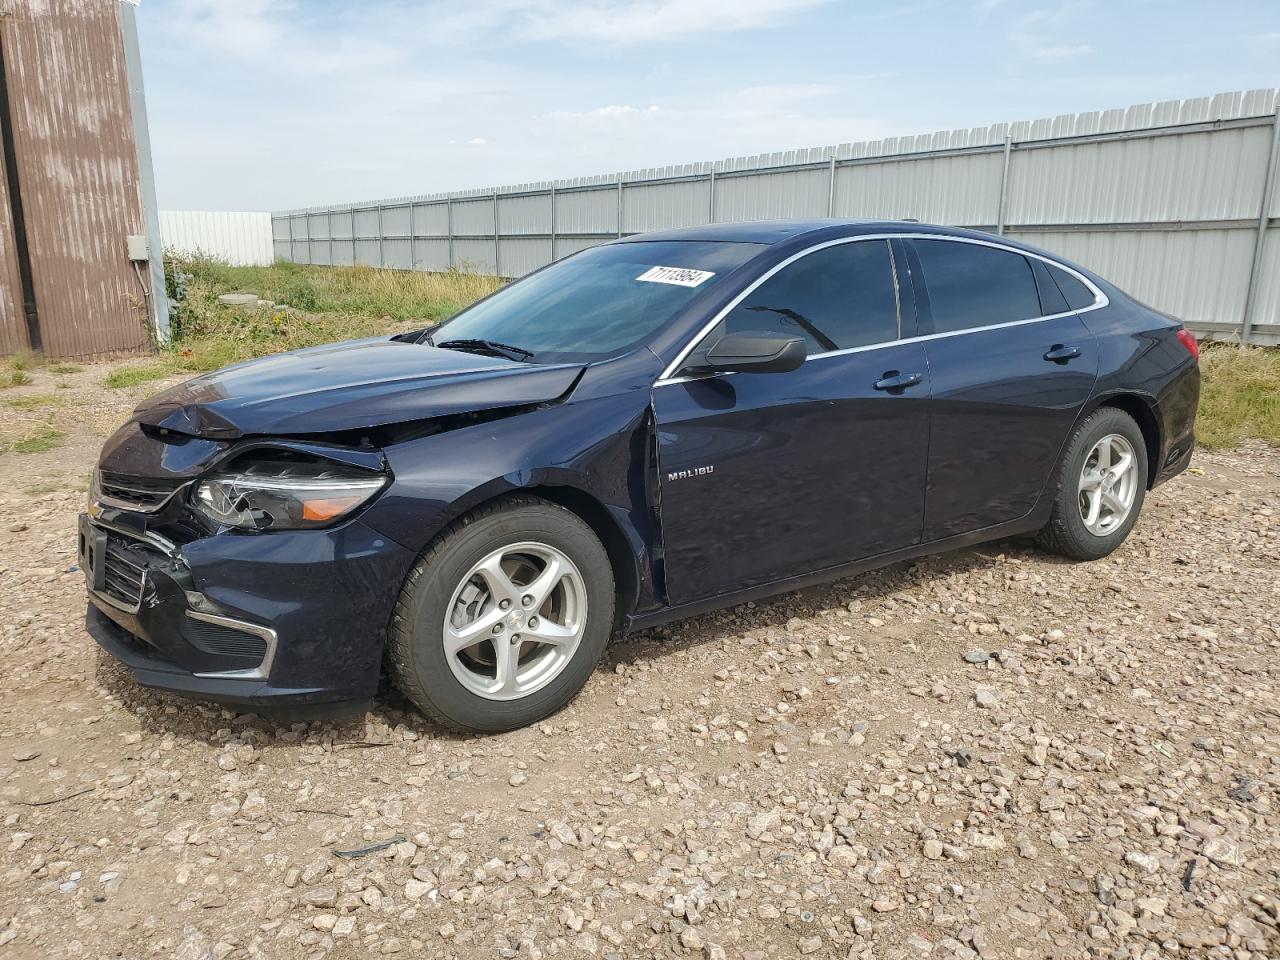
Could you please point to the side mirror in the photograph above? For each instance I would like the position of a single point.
(754, 353)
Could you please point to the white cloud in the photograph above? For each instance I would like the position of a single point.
(477, 142)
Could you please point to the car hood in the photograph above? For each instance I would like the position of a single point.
(348, 386)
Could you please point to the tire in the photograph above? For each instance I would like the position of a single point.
(1069, 531)
(446, 601)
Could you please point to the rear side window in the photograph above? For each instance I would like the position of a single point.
(1077, 294)
(839, 297)
(971, 285)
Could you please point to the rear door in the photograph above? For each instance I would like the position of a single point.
(769, 476)
(1010, 367)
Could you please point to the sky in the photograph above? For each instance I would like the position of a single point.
(276, 104)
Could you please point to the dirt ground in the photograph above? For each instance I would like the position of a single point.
(992, 753)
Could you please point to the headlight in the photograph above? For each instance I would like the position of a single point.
(286, 493)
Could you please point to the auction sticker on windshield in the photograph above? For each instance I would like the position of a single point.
(680, 276)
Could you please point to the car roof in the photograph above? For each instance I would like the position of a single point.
(776, 231)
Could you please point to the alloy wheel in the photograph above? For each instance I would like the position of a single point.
(515, 621)
(1108, 484)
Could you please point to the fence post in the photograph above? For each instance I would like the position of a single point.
(351, 216)
(448, 209)
(382, 260)
(497, 241)
(289, 220)
(711, 196)
(553, 223)
(413, 236)
(831, 186)
(1004, 186)
(1260, 240)
(619, 205)
(328, 218)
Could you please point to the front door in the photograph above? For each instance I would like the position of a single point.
(769, 476)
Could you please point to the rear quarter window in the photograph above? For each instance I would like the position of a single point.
(1078, 296)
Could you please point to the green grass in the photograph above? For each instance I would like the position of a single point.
(16, 377)
(1239, 395)
(35, 401)
(64, 368)
(319, 305)
(35, 439)
(132, 376)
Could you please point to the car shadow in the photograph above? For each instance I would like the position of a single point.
(347, 726)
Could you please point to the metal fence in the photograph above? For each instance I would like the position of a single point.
(1176, 202)
(243, 239)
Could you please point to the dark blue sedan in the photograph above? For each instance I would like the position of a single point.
(654, 427)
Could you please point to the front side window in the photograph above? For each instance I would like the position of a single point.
(599, 303)
(971, 285)
(838, 297)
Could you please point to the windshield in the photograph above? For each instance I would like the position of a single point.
(596, 304)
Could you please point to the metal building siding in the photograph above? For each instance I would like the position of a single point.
(13, 318)
(239, 238)
(78, 172)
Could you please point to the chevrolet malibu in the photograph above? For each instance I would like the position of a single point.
(657, 426)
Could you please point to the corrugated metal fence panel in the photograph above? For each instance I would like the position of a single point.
(431, 219)
(961, 190)
(368, 253)
(523, 255)
(1269, 287)
(1198, 176)
(343, 253)
(72, 124)
(768, 196)
(396, 254)
(13, 317)
(243, 239)
(473, 217)
(662, 206)
(366, 223)
(475, 256)
(587, 211)
(525, 214)
(1163, 198)
(395, 221)
(431, 254)
(1195, 275)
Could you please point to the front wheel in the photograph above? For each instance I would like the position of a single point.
(1100, 485)
(503, 618)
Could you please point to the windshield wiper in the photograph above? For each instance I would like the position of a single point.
(491, 347)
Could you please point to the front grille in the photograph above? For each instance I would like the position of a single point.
(224, 641)
(140, 493)
(124, 566)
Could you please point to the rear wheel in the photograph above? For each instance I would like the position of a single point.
(503, 618)
(1100, 486)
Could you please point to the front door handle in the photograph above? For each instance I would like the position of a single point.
(893, 380)
(1060, 353)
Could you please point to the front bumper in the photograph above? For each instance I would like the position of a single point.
(254, 619)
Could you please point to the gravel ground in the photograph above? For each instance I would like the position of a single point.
(988, 754)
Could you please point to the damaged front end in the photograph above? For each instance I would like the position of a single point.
(239, 571)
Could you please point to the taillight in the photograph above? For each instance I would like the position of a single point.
(1188, 340)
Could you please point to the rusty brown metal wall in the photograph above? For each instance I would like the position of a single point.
(78, 172)
(13, 321)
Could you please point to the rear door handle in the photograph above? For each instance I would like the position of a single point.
(1059, 353)
(893, 380)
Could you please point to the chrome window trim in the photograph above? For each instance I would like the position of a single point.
(263, 670)
(1100, 300)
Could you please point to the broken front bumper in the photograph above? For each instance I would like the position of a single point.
(253, 619)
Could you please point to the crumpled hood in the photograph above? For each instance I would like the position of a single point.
(348, 386)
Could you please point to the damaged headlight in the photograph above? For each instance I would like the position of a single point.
(283, 494)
